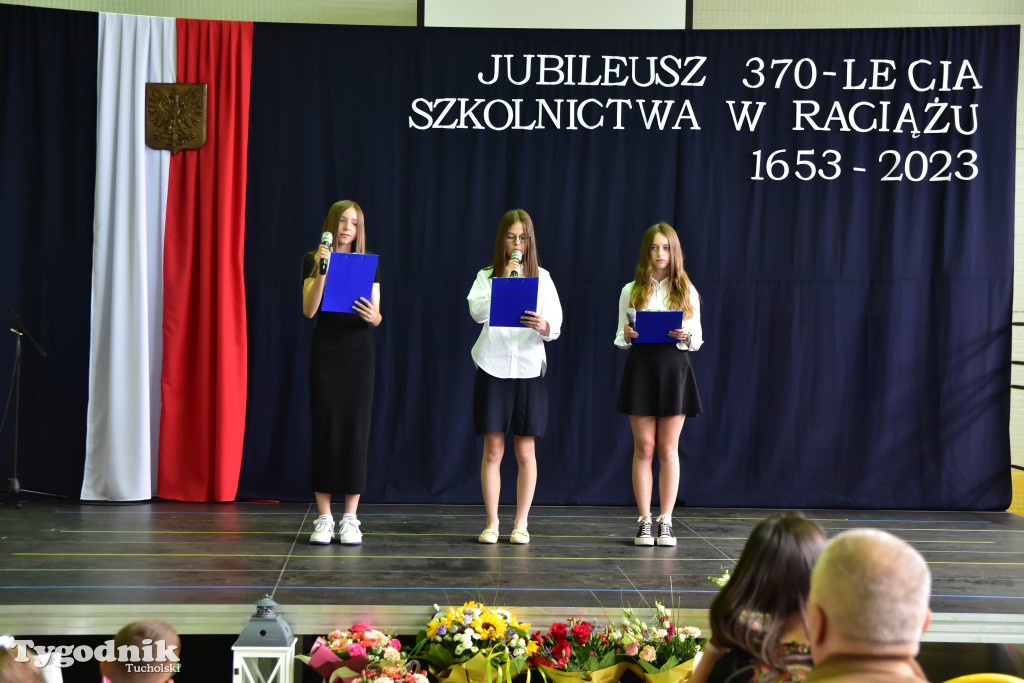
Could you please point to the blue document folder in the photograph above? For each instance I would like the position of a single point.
(510, 298)
(654, 326)
(349, 277)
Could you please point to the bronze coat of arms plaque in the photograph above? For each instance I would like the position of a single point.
(175, 116)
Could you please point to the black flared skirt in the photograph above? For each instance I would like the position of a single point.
(658, 381)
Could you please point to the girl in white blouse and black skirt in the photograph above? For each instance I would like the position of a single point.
(509, 388)
(658, 390)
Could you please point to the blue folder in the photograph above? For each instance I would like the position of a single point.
(349, 277)
(654, 326)
(510, 298)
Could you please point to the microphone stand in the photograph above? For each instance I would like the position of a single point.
(20, 329)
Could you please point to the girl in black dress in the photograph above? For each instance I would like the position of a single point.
(658, 390)
(341, 366)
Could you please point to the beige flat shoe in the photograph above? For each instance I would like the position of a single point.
(488, 535)
(519, 537)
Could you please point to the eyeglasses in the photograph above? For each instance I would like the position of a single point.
(517, 238)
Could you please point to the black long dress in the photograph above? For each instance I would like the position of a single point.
(341, 367)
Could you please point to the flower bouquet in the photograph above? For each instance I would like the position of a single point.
(661, 651)
(355, 654)
(576, 650)
(474, 643)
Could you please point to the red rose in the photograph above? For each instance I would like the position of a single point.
(558, 632)
(562, 651)
(581, 632)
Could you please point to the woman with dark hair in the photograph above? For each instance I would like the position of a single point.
(758, 619)
(341, 366)
(509, 388)
(658, 390)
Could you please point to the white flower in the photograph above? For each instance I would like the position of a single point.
(660, 633)
(692, 631)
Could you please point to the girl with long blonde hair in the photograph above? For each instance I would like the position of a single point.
(658, 390)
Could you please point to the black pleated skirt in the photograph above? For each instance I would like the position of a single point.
(658, 381)
(341, 367)
(503, 404)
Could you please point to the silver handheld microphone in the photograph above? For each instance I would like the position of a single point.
(631, 319)
(326, 239)
(517, 256)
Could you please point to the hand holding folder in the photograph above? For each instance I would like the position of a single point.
(654, 326)
(349, 278)
(511, 297)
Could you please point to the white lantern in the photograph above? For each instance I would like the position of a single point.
(265, 650)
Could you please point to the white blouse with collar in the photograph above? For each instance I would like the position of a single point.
(658, 302)
(513, 352)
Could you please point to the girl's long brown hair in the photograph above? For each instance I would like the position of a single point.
(769, 584)
(331, 226)
(679, 282)
(334, 215)
(531, 261)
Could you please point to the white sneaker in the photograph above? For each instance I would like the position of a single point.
(323, 530)
(348, 531)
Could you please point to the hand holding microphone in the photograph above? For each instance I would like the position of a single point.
(628, 331)
(515, 264)
(325, 241)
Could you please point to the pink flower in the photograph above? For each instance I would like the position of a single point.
(648, 653)
(396, 643)
(356, 650)
(631, 649)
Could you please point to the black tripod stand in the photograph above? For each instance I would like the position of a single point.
(13, 486)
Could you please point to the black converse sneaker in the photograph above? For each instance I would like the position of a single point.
(643, 534)
(665, 535)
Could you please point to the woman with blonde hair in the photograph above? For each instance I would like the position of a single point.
(658, 390)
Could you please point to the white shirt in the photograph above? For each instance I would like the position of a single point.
(513, 352)
(659, 302)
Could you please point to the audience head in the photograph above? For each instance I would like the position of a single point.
(869, 595)
(140, 634)
(769, 584)
(13, 671)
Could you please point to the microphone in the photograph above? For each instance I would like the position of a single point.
(631, 319)
(517, 256)
(325, 239)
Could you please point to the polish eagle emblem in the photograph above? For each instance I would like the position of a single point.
(175, 116)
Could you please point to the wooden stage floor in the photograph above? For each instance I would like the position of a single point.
(89, 569)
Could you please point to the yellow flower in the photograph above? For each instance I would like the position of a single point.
(532, 647)
(490, 625)
(434, 623)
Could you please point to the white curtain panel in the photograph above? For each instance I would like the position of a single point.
(123, 420)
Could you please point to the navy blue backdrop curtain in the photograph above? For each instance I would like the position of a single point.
(855, 261)
(47, 166)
